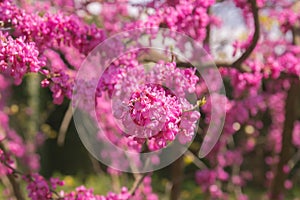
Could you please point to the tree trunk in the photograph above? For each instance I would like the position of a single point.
(177, 177)
(277, 187)
(291, 114)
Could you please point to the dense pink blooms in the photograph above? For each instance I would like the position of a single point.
(125, 70)
(38, 188)
(18, 57)
(186, 16)
(154, 113)
(53, 38)
(60, 84)
(112, 13)
(205, 178)
(148, 104)
(51, 29)
(82, 193)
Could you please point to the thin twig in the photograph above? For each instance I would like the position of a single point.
(96, 165)
(195, 160)
(294, 160)
(6, 183)
(137, 183)
(64, 59)
(14, 183)
(64, 126)
(11, 177)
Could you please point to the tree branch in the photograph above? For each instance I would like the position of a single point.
(277, 186)
(16, 187)
(12, 177)
(64, 59)
(238, 63)
(137, 183)
(155, 57)
(64, 126)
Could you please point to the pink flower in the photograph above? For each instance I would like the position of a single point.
(18, 57)
(205, 178)
(37, 187)
(153, 113)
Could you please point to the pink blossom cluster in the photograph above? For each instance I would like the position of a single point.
(18, 57)
(154, 113)
(247, 111)
(112, 13)
(151, 106)
(50, 29)
(5, 163)
(60, 84)
(206, 178)
(239, 113)
(38, 188)
(82, 193)
(110, 131)
(58, 75)
(286, 17)
(148, 104)
(184, 81)
(124, 70)
(155, 108)
(144, 192)
(186, 16)
(283, 61)
(244, 83)
(38, 32)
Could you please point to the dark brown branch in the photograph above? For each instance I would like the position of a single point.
(296, 31)
(238, 63)
(208, 28)
(285, 155)
(16, 187)
(64, 59)
(154, 56)
(12, 177)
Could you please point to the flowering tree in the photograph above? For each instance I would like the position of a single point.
(141, 99)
